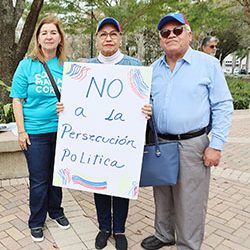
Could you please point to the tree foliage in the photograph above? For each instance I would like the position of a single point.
(246, 10)
(229, 20)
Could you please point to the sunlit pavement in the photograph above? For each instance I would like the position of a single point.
(228, 217)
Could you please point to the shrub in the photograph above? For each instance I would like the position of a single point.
(240, 90)
(6, 111)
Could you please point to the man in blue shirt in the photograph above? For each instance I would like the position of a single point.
(189, 91)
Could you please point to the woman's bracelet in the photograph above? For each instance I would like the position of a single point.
(21, 132)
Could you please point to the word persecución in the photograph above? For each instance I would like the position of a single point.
(69, 133)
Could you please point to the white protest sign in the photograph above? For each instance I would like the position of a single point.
(101, 132)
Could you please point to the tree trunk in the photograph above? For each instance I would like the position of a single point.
(233, 62)
(247, 61)
(12, 51)
(140, 45)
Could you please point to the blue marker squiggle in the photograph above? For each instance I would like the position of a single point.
(77, 72)
(138, 85)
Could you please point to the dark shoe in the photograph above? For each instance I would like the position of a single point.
(121, 242)
(152, 243)
(101, 239)
(62, 222)
(37, 234)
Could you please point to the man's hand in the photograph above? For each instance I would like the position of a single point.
(211, 157)
(147, 111)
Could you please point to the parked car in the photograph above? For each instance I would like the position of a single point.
(242, 71)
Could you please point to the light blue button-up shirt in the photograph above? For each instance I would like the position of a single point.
(184, 97)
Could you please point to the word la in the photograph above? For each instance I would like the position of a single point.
(114, 116)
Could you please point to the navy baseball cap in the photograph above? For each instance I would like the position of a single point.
(108, 20)
(174, 16)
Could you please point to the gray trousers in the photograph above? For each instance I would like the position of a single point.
(181, 209)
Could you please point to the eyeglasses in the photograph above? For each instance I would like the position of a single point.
(165, 33)
(112, 35)
(213, 46)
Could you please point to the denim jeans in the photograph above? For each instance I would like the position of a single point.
(43, 196)
(104, 204)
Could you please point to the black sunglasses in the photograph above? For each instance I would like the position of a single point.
(212, 46)
(165, 33)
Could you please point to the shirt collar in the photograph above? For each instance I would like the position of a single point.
(114, 59)
(187, 57)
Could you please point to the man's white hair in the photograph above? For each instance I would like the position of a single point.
(187, 27)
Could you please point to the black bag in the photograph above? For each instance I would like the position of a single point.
(160, 165)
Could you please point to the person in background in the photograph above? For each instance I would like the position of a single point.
(34, 104)
(187, 87)
(209, 45)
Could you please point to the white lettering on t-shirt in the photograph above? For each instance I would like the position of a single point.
(43, 84)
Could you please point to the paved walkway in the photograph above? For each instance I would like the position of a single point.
(227, 224)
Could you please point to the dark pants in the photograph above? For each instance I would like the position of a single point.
(43, 196)
(119, 206)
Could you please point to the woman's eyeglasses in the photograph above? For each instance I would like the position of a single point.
(213, 46)
(112, 35)
(165, 33)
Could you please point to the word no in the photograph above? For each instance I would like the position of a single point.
(112, 89)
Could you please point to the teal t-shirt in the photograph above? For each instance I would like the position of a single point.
(31, 83)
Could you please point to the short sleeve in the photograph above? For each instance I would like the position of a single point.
(20, 81)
